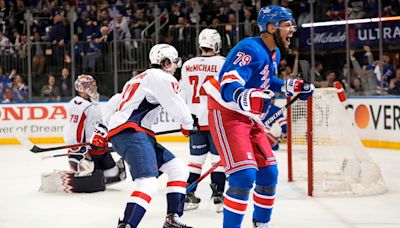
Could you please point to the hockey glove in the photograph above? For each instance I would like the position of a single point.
(80, 162)
(293, 86)
(98, 142)
(195, 128)
(254, 100)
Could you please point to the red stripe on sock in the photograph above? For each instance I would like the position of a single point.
(177, 184)
(235, 205)
(263, 201)
(141, 195)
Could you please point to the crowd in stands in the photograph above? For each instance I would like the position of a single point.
(96, 22)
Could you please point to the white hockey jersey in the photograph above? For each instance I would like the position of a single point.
(195, 72)
(110, 108)
(141, 101)
(82, 117)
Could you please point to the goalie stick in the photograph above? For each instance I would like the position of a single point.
(37, 149)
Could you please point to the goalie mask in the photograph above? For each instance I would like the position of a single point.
(160, 52)
(210, 38)
(86, 84)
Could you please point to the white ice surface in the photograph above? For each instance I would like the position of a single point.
(21, 205)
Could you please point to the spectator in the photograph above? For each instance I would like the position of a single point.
(65, 84)
(368, 72)
(4, 84)
(318, 67)
(330, 78)
(394, 87)
(181, 37)
(38, 57)
(357, 9)
(78, 50)
(222, 15)
(6, 47)
(357, 88)
(388, 74)
(50, 92)
(175, 14)
(138, 24)
(57, 35)
(19, 92)
(336, 10)
(249, 22)
(21, 46)
(105, 35)
(92, 53)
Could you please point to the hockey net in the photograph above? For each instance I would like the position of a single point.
(328, 153)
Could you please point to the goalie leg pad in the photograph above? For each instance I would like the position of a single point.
(63, 181)
(91, 183)
(56, 181)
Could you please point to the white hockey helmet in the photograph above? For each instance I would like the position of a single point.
(86, 84)
(210, 38)
(160, 52)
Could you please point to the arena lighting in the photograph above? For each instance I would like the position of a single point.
(355, 21)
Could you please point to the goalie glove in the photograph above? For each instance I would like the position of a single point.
(254, 100)
(80, 162)
(293, 86)
(195, 128)
(98, 141)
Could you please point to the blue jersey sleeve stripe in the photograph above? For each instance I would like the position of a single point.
(276, 84)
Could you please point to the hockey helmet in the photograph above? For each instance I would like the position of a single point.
(210, 38)
(160, 52)
(86, 84)
(273, 14)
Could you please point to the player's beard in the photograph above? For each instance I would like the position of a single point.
(279, 40)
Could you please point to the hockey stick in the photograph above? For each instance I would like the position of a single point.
(190, 187)
(37, 149)
(108, 150)
(305, 70)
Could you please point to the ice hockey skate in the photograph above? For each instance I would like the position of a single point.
(259, 224)
(191, 202)
(218, 198)
(172, 221)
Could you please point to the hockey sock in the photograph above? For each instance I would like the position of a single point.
(219, 179)
(175, 203)
(264, 193)
(139, 200)
(133, 214)
(192, 178)
(176, 186)
(236, 197)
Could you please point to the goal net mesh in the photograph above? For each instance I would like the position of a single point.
(341, 165)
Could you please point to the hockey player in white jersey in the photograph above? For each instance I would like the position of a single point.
(131, 135)
(195, 72)
(92, 167)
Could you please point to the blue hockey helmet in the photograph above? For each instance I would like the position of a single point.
(273, 14)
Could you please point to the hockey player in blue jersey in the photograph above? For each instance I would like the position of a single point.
(236, 101)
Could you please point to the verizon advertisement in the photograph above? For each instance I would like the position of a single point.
(46, 120)
(376, 119)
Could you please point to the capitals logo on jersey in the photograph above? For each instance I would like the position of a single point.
(175, 87)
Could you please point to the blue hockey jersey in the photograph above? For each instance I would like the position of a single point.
(250, 64)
